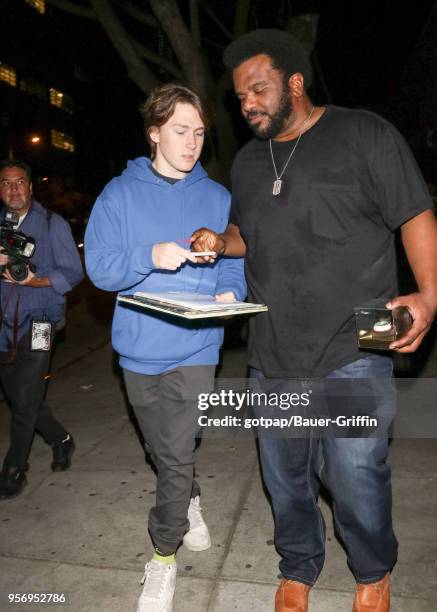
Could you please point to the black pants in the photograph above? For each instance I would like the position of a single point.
(24, 384)
(166, 409)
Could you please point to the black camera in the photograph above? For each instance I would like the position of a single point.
(19, 248)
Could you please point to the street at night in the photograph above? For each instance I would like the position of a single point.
(83, 532)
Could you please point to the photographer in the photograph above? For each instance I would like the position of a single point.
(30, 310)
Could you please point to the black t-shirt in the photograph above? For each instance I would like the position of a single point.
(167, 179)
(325, 244)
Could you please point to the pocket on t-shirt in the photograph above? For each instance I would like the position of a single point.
(335, 210)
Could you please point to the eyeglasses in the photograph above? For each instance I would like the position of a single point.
(19, 183)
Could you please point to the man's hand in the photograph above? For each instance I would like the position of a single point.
(170, 256)
(422, 310)
(205, 239)
(31, 281)
(3, 257)
(225, 297)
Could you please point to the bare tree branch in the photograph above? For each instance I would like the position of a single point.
(70, 6)
(124, 44)
(208, 10)
(137, 13)
(241, 17)
(195, 71)
(186, 48)
(212, 43)
(149, 55)
(227, 141)
(194, 21)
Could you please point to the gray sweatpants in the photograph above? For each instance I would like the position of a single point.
(166, 409)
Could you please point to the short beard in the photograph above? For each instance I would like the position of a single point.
(19, 205)
(277, 120)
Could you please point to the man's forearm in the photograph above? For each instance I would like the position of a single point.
(38, 282)
(42, 281)
(419, 237)
(234, 245)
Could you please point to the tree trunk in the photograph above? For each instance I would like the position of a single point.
(121, 40)
(188, 55)
(241, 17)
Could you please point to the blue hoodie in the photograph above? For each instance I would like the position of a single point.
(135, 211)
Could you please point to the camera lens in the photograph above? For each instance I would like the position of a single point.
(18, 270)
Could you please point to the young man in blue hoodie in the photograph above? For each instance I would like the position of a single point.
(136, 240)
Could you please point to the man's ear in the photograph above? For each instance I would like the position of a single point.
(31, 188)
(154, 134)
(296, 85)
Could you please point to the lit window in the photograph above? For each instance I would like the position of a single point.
(61, 100)
(39, 5)
(56, 97)
(8, 75)
(33, 87)
(60, 140)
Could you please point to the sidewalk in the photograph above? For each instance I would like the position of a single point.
(83, 532)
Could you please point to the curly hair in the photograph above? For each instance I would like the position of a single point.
(286, 53)
(161, 104)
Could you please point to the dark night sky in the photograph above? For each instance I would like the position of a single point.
(362, 48)
(362, 45)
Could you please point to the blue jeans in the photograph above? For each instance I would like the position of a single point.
(355, 472)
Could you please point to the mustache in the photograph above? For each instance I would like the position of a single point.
(252, 114)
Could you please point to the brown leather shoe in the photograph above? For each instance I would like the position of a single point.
(373, 597)
(292, 596)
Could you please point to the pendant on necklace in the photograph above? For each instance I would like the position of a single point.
(277, 187)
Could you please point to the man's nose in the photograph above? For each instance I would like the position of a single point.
(249, 103)
(191, 141)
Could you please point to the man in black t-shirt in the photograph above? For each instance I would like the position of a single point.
(317, 196)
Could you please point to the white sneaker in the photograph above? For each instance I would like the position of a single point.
(197, 538)
(159, 584)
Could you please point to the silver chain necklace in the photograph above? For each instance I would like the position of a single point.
(277, 184)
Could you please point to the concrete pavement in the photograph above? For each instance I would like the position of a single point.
(83, 532)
